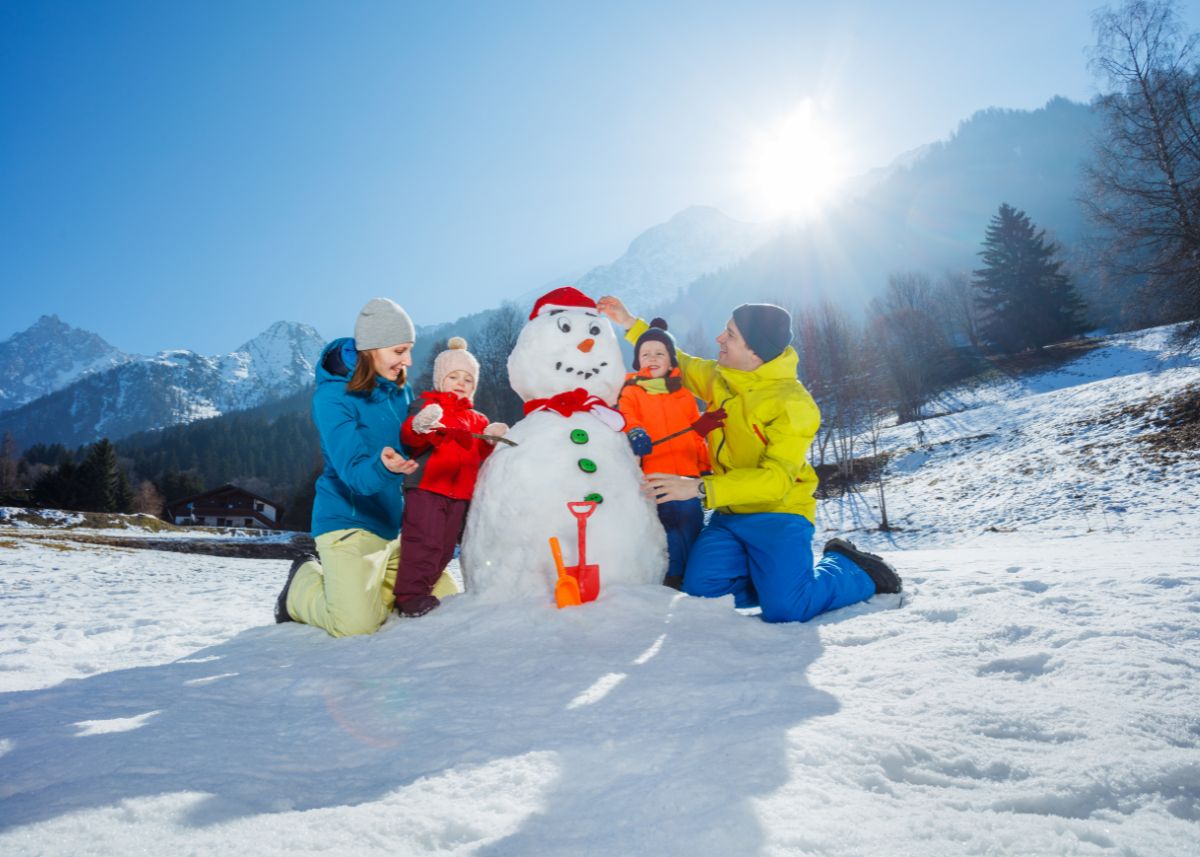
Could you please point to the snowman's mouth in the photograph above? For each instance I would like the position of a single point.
(582, 371)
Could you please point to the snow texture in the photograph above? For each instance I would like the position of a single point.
(1033, 691)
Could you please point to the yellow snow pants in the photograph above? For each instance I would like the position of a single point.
(350, 590)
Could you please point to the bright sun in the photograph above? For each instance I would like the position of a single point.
(796, 166)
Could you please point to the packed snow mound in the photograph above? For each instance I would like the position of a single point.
(562, 456)
(521, 502)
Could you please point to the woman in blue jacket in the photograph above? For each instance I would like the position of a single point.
(361, 399)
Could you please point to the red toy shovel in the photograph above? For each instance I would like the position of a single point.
(587, 575)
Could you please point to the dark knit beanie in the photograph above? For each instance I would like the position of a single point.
(656, 333)
(766, 328)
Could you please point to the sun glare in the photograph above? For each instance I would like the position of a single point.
(796, 166)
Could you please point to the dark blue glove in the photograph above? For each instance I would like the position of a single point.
(640, 442)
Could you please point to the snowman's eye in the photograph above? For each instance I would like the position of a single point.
(594, 330)
(564, 325)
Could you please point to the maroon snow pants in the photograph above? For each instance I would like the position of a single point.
(433, 524)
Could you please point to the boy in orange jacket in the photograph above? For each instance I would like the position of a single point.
(666, 430)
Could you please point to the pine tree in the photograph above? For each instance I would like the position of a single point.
(99, 479)
(9, 463)
(58, 488)
(175, 485)
(1024, 298)
(123, 497)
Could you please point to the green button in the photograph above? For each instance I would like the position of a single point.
(594, 498)
(579, 436)
(587, 465)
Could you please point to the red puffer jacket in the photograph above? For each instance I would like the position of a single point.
(449, 461)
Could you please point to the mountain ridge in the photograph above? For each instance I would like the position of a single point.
(174, 386)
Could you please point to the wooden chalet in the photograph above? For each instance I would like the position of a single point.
(227, 506)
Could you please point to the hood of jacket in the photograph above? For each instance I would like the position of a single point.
(337, 363)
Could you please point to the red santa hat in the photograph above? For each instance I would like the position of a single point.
(566, 297)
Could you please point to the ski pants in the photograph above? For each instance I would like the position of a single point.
(433, 524)
(349, 591)
(683, 520)
(766, 559)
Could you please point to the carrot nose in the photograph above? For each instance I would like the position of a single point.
(586, 345)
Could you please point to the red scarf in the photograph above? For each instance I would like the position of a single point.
(574, 401)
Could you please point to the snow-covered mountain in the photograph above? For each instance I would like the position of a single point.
(659, 264)
(664, 259)
(50, 355)
(1032, 693)
(277, 362)
(172, 387)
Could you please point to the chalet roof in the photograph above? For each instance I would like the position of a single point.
(227, 488)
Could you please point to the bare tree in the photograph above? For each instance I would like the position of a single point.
(1145, 184)
(911, 343)
(147, 499)
(836, 359)
(955, 310)
(424, 381)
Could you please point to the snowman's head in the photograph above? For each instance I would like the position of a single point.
(566, 344)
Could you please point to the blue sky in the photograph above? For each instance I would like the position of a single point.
(183, 174)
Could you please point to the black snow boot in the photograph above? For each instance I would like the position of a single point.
(419, 606)
(673, 581)
(281, 613)
(884, 576)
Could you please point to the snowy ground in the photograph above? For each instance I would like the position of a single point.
(1035, 693)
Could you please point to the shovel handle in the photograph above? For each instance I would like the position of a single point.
(566, 590)
(556, 552)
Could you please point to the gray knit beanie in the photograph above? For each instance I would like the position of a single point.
(766, 328)
(382, 324)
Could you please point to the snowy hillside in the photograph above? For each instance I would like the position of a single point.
(172, 387)
(1032, 693)
(1061, 453)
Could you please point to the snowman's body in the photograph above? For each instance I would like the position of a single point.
(521, 495)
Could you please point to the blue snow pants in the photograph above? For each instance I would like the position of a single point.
(767, 559)
(683, 520)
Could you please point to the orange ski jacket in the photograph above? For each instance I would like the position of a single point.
(662, 406)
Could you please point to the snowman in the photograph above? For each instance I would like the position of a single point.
(568, 368)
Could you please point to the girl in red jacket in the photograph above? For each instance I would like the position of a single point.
(656, 406)
(438, 432)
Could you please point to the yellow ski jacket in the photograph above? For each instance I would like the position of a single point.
(760, 458)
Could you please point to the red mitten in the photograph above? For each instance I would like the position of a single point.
(708, 421)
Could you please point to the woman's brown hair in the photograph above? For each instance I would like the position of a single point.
(363, 379)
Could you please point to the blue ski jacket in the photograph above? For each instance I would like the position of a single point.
(355, 490)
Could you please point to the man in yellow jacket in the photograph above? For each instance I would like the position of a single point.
(757, 545)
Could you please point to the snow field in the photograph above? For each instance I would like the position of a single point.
(1031, 696)
(1034, 694)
